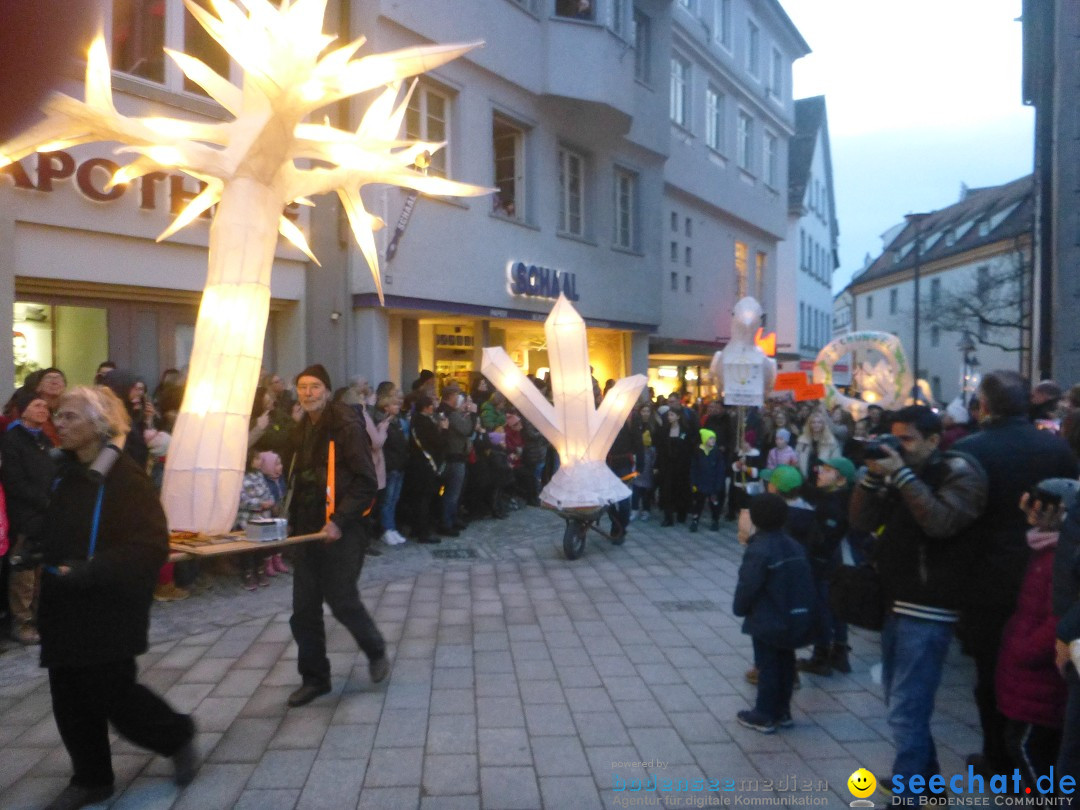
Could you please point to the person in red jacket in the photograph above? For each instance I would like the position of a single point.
(1031, 693)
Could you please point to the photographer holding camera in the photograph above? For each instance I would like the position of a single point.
(920, 501)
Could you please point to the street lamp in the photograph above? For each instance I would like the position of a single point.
(915, 220)
(970, 363)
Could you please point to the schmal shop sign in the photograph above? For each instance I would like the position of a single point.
(541, 282)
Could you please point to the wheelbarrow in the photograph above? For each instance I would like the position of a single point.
(578, 523)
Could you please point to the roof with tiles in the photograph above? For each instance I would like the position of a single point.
(981, 217)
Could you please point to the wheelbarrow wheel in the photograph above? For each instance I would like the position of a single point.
(573, 539)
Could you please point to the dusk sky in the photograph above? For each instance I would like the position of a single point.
(922, 95)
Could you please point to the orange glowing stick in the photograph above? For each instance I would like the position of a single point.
(330, 483)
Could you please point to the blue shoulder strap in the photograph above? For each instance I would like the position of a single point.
(97, 521)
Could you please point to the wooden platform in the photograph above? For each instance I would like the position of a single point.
(234, 543)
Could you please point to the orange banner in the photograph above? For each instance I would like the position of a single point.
(789, 381)
(810, 392)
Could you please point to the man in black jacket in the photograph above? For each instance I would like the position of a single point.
(329, 570)
(920, 501)
(1016, 456)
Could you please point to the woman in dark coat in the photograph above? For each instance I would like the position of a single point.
(425, 461)
(676, 442)
(104, 539)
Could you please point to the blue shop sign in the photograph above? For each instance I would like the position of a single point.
(542, 282)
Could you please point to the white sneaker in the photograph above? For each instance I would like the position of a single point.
(389, 538)
(398, 538)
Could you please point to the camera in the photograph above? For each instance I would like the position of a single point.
(1054, 492)
(875, 446)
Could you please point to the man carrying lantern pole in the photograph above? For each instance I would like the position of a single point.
(333, 483)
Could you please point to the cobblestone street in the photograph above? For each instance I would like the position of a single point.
(520, 680)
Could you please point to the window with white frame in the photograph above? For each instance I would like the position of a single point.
(680, 89)
(714, 118)
(625, 205)
(776, 75)
(427, 118)
(770, 166)
(571, 192)
(753, 49)
(742, 270)
(722, 23)
(674, 252)
(618, 17)
(759, 274)
(745, 134)
(642, 47)
(508, 147)
(869, 306)
(802, 325)
(140, 29)
(802, 248)
(675, 221)
(675, 281)
(894, 299)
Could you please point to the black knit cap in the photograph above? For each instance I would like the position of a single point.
(318, 371)
(23, 397)
(768, 512)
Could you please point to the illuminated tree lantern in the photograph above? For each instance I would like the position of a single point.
(252, 170)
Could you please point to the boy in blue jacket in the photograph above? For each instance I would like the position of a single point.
(775, 593)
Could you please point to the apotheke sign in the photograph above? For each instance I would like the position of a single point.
(541, 282)
(92, 174)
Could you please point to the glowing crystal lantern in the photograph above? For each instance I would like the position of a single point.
(251, 167)
(581, 433)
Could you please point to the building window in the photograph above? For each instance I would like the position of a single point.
(935, 292)
(642, 47)
(982, 283)
(771, 159)
(571, 193)
(935, 336)
(753, 50)
(894, 296)
(742, 257)
(575, 9)
(625, 209)
(869, 306)
(802, 325)
(675, 281)
(759, 275)
(674, 251)
(802, 248)
(723, 23)
(680, 87)
(141, 29)
(746, 141)
(714, 119)
(689, 284)
(618, 17)
(508, 146)
(687, 256)
(427, 119)
(776, 75)
(674, 222)
(689, 227)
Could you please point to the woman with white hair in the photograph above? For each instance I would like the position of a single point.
(104, 539)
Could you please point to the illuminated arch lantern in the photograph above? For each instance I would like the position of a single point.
(580, 432)
(252, 167)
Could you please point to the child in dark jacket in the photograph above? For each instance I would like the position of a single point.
(775, 595)
(708, 476)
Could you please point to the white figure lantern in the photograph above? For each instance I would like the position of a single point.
(581, 433)
(742, 371)
(253, 168)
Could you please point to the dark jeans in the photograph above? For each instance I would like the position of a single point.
(329, 571)
(619, 512)
(86, 699)
(1033, 748)
(454, 478)
(641, 498)
(716, 504)
(776, 680)
(830, 630)
(981, 635)
(913, 655)
(1069, 755)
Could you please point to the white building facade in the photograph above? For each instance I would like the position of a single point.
(808, 256)
(972, 262)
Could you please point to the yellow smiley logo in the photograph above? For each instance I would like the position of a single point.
(861, 783)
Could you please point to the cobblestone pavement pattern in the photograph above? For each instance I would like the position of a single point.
(520, 680)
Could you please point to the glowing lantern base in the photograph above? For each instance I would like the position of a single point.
(584, 485)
